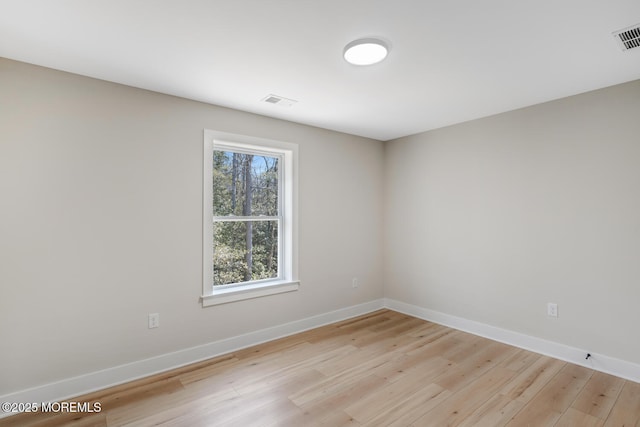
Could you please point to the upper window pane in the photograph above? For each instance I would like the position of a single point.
(245, 184)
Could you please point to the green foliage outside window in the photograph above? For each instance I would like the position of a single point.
(245, 185)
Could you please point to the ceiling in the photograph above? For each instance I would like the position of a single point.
(450, 61)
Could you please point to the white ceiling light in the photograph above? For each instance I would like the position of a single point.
(365, 51)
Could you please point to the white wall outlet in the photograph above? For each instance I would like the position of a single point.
(552, 309)
(154, 320)
(354, 282)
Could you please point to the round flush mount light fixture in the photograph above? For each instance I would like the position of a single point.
(367, 51)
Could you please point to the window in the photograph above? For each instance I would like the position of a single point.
(249, 218)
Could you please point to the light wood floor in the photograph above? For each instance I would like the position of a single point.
(382, 369)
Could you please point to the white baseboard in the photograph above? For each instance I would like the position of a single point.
(94, 381)
(598, 362)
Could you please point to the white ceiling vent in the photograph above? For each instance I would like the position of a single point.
(628, 38)
(279, 100)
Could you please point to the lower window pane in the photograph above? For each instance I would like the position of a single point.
(244, 251)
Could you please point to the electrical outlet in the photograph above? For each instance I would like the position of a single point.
(552, 309)
(154, 320)
(354, 282)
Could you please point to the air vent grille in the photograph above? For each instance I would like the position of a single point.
(279, 100)
(628, 38)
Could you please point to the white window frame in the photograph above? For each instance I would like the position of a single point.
(287, 235)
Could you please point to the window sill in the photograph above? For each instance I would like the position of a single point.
(223, 296)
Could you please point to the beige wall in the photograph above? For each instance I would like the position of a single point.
(101, 221)
(491, 219)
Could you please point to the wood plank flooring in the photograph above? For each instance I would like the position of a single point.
(381, 369)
